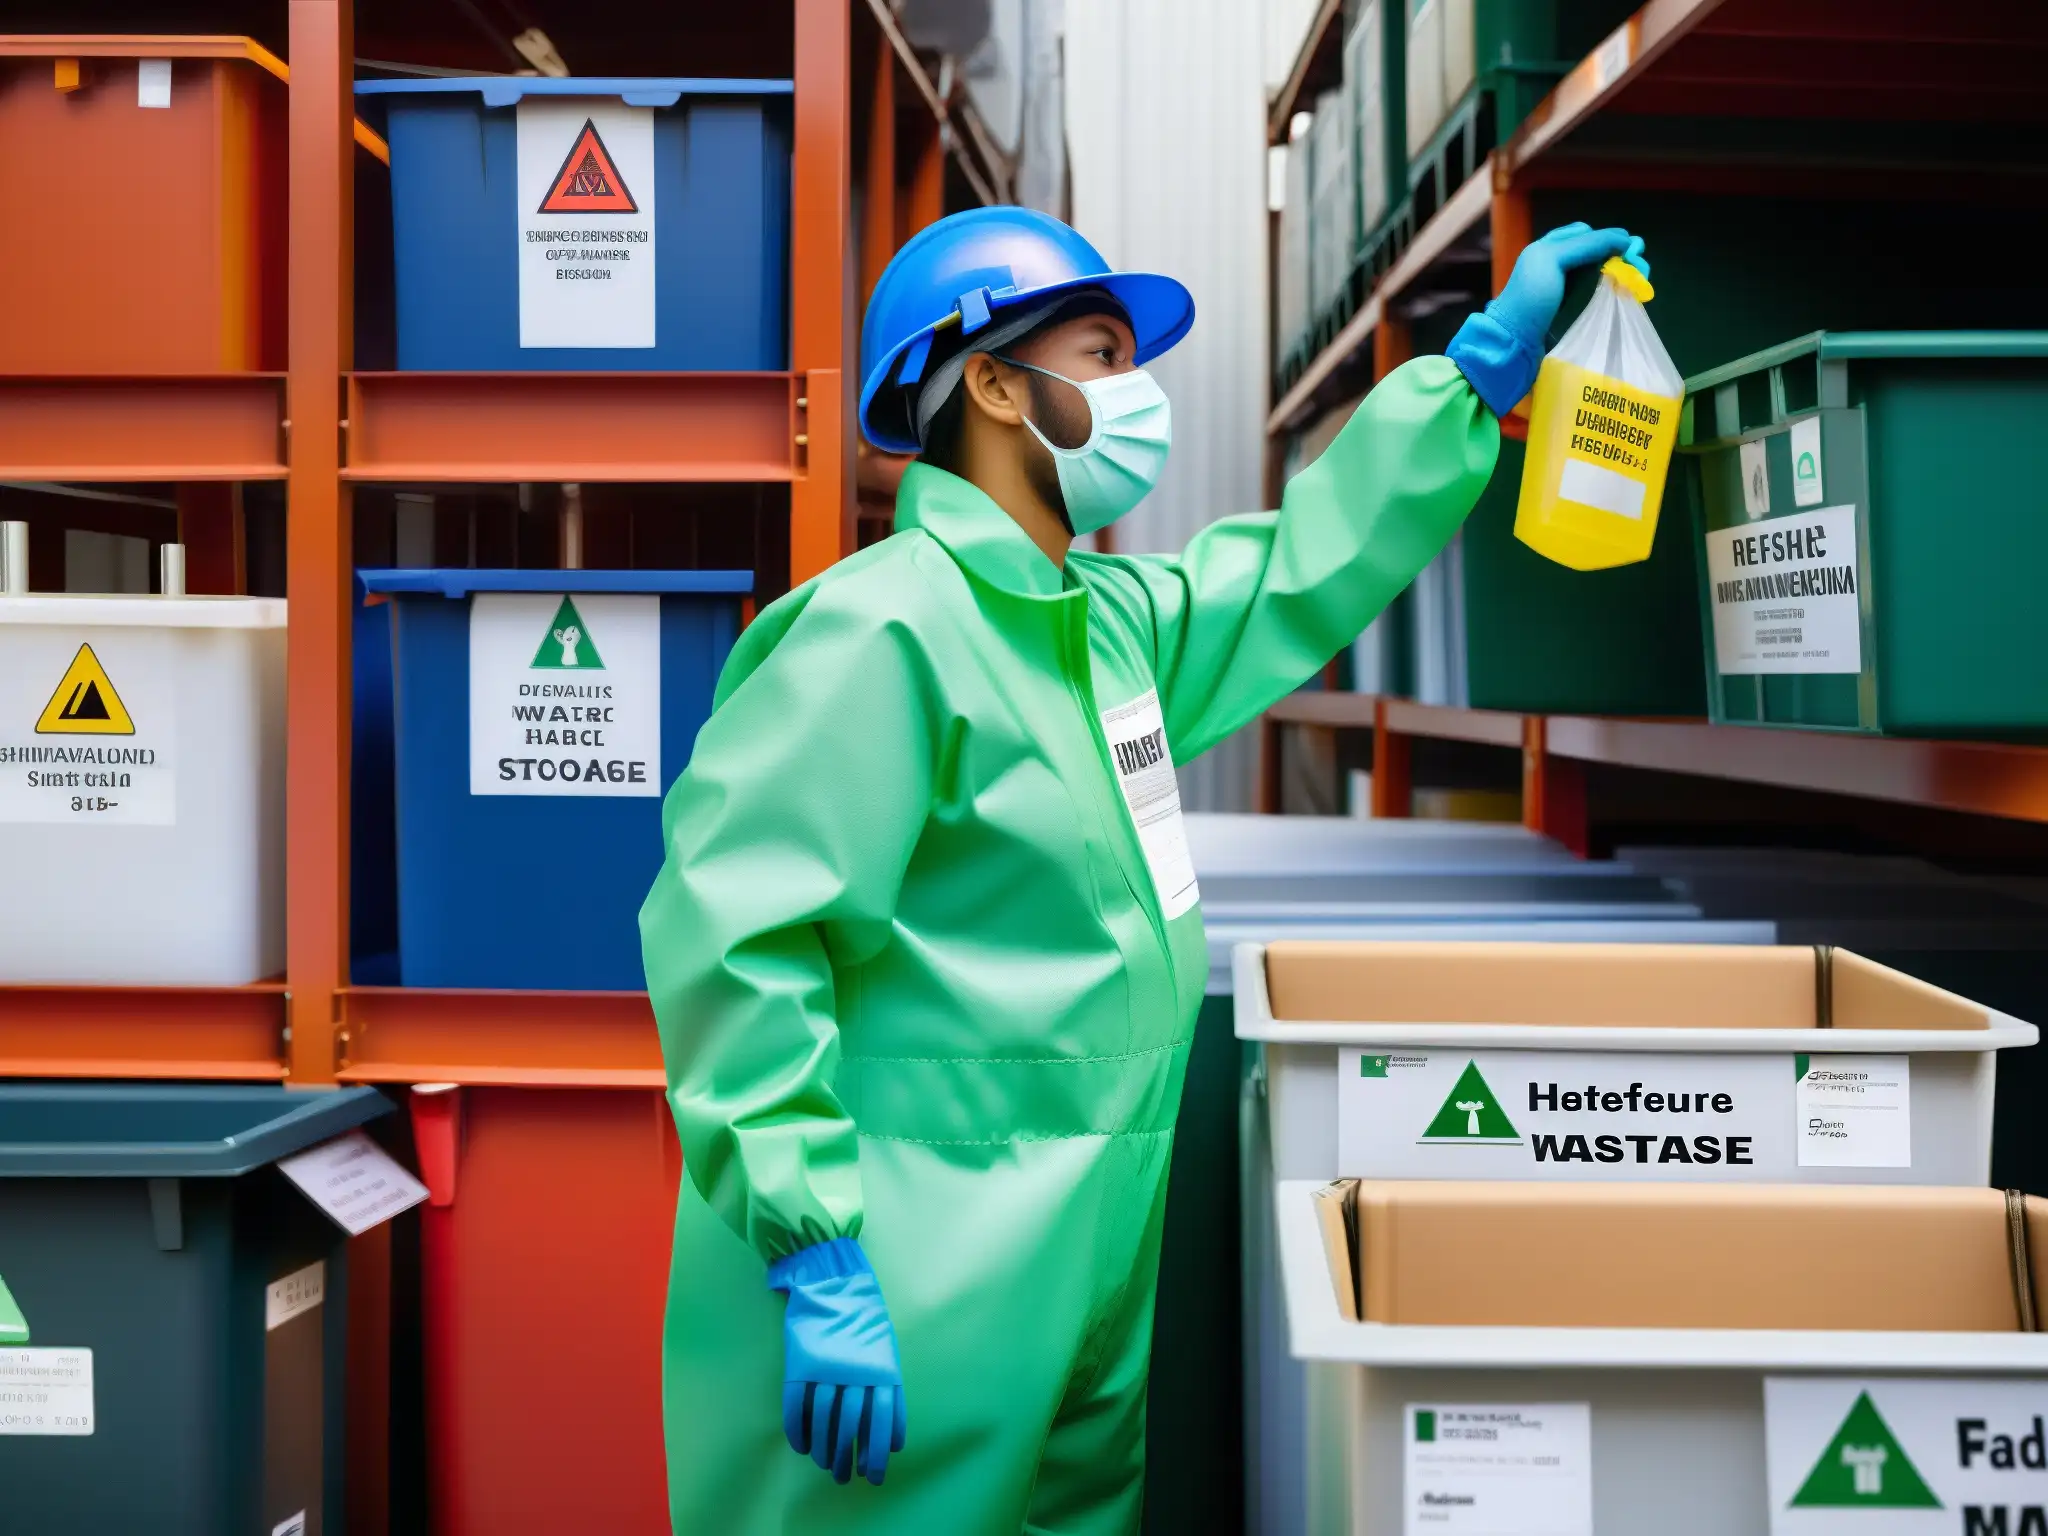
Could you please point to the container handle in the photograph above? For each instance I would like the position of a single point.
(14, 559)
(437, 1137)
(171, 570)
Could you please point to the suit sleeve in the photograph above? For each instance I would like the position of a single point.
(1255, 605)
(786, 838)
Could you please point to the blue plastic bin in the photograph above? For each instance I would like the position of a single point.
(719, 190)
(536, 884)
(143, 1230)
(372, 825)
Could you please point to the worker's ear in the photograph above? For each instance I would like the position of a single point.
(994, 390)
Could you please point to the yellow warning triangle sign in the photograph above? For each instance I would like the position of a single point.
(85, 703)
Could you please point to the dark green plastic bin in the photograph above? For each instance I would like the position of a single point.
(144, 1224)
(1871, 524)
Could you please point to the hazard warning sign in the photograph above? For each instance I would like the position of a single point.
(588, 181)
(87, 727)
(586, 223)
(85, 703)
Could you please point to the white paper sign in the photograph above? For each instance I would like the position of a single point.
(45, 1392)
(354, 1181)
(300, 1291)
(586, 223)
(1756, 477)
(1785, 594)
(1902, 1457)
(1512, 1469)
(1136, 737)
(88, 728)
(1806, 472)
(1856, 1112)
(1463, 1114)
(153, 83)
(294, 1525)
(564, 694)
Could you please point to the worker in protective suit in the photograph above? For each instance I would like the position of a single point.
(926, 952)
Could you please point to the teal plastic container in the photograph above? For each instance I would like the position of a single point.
(187, 1300)
(1867, 514)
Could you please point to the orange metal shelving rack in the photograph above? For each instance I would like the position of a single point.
(322, 428)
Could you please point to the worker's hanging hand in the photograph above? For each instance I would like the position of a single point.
(1500, 350)
(842, 1388)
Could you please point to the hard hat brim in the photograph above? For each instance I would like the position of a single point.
(1160, 309)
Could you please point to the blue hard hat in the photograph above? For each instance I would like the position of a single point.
(968, 269)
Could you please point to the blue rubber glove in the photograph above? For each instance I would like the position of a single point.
(842, 1389)
(1500, 349)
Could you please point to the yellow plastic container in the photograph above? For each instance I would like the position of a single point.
(1602, 424)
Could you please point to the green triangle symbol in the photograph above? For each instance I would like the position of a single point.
(1471, 1113)
(1864, 1467)
(567, 645)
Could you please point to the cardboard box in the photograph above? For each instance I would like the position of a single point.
(1677, 986)
(1828, 1257)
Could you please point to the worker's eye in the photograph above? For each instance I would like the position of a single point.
(1107, 354)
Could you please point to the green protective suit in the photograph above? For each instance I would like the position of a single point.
(917, 982)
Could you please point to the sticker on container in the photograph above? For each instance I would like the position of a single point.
(1855, 1112)
(46, 1392)
(565, 694)
(1806, 476)
(1510, 1469)
(1136, 736)
(1579, 1115)
(355, 1181)
(1756, 478)
(298, 1292)
(1900, 1457)
(77, 747)
(1786, 595)
(586, 223)
(153, 83)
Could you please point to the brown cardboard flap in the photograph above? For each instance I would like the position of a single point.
(1671, 986)
(1336, 1214)
(1691, 1255)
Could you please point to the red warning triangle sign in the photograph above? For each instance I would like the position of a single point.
(588, 182)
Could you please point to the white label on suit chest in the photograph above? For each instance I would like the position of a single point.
(1136, 733)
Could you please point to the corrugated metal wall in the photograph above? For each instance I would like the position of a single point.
(1166, 109)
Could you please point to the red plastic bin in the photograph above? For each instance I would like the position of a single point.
(146, 229)
(544, 1252)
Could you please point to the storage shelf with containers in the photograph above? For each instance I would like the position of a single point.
(644, 496)
(1673, 123)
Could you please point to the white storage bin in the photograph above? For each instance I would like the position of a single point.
(1677, 1415)
(141, 789)
(1315, 1070)
(1238, 843)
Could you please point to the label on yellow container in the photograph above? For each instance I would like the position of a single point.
(1599, 450)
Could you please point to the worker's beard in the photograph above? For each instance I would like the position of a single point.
(1061, 413)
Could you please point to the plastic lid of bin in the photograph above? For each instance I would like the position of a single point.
(141, 612)
(169, 1130)
(13, 1326)
(507, 90)
(460, 583)
(1848, 346)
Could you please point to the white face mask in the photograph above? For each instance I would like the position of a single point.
(1130, 430)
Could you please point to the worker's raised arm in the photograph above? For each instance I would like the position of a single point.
(787, 838)
(1254, 605)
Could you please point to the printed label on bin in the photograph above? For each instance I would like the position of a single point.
(564, 694)
(1505, 1469)
(45, 1392)
(1855, 1112)
(1451, 1114)
(355, 1181)
(77, 746)
(1136, 736)
(1896, 1457)
(586, 223)
(1807, 484)
(1786, 595)
(300, 1291)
